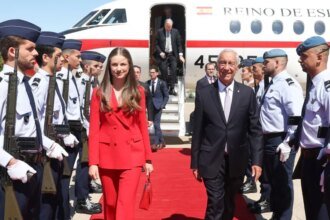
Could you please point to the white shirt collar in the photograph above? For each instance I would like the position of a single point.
(222, 87)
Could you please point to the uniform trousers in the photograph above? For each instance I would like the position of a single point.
(27, 195)
(64, 208)
(311, 170)
(327, 187)
(50, 202)
(280, 177)
(119, 191)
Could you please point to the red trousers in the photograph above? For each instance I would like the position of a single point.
(119, 192)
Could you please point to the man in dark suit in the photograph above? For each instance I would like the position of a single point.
(159, 93)
(209, 78)
(168, 52)
(226, 121)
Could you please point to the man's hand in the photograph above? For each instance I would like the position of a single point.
(162, 55)
(70, 140)
(284, 150)
(256, 172)
(197, 176)
(19, 170)
(322, 154)
(182, 59)
(56, 151)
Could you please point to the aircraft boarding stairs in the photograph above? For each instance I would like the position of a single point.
(172, 120)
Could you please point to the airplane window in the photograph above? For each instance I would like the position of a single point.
(117, 16)
(277, 27)
(99, 17)
(298, 27)
(86, 18)
(319, 27)
(256, 26)
(235, 27)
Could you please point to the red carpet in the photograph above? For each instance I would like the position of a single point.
(176, 194)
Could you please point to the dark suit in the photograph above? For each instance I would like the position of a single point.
(159, 101)
(223, 172)
(149, 105)
(171, 59)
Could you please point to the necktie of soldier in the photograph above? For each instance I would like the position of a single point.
(34, 110)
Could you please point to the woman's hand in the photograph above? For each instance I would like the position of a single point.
(94, 172)
(148, 167)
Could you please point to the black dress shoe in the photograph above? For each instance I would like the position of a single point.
(95, 187)
(87, 207)
(261, 207)
(249, 187)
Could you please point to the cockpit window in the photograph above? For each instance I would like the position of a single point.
(86, 18)
(117, 16)
(319, 27)
(96, 20)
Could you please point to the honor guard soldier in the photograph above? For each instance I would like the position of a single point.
(69, 88)
(21, 134)
(86, 83)
(281, 103)
(52, 107)
(259, 79)
(314, 132)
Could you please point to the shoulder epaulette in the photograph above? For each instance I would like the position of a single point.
(36, 81)
(59, 76)
(83, 81)
(327, 85)
(289, 81)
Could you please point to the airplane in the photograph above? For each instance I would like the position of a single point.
(206, 26)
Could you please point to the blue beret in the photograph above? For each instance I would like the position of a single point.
(72, 44)
(274, 53)
(245, 63)
(52, 39)
(19, 28)
(310, 43)
(258, 60)
(92, 55)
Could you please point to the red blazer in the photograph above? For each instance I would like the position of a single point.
(118, 140)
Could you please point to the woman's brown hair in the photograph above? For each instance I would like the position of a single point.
(130, 94)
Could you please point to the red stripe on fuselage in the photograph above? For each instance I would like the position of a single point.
(89, 44)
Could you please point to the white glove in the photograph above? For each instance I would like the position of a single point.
(322, 181)
(20, 171)
(322, 153)
(162, 55)
(70, 140)
(284, 150)
(56, 151)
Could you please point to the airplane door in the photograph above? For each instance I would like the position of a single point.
(158, 14)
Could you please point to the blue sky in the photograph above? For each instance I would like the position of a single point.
(50, 15)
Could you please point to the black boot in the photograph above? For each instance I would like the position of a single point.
(261, 207)
(87, 207)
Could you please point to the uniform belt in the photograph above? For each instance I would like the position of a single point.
(32, 158)
(310, 153)
(274, 135)
(75, 125)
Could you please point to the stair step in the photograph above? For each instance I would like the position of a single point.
(169, 126)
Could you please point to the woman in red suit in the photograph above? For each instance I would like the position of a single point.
(118, 136)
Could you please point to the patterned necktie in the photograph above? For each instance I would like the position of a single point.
(227, 104)
(34, 110)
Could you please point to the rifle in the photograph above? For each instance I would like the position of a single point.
(51, 131)
(12, 210)
(84, 137)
